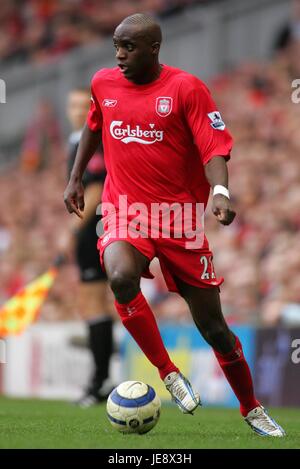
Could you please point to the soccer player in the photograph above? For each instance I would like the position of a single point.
(82, 237)
(164, 142)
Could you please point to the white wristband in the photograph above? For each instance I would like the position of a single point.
(218, 189)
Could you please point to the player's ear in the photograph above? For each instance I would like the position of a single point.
(155, 48)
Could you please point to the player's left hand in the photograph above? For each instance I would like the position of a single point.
(221, 208)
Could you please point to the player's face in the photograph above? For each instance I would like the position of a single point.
(77, 108)
(135, 53)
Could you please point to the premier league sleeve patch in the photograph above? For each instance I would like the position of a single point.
(216, 120)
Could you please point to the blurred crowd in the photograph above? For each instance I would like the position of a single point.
(42, 30)
(258, 255)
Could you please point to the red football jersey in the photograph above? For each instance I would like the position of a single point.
(156, 137)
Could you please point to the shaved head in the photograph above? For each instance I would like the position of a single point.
(145, 24)
(137, 42)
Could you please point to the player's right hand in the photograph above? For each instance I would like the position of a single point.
(74, 197)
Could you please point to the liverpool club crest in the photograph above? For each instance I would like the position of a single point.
(164, 106)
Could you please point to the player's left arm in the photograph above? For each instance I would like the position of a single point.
(216, 173)
(214, 143)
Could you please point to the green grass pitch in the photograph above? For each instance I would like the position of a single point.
(52, 424)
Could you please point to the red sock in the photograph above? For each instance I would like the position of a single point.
(140, 322)
(238, 375)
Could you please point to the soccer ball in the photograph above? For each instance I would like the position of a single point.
(133, 407)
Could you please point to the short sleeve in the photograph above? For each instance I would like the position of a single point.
(205, 122)
(94, 118)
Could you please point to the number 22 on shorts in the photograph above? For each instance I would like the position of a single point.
(208, 268)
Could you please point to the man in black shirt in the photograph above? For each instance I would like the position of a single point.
(81, 238)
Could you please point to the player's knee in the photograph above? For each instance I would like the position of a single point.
(218, 336)
(125, 285)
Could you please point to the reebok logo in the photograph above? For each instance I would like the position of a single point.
(131, 310)
(109, 102)
(128, 134)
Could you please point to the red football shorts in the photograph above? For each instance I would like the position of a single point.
(193, 266)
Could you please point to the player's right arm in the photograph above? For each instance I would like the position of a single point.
(67, 238)
(89, 142)
(74, 193)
